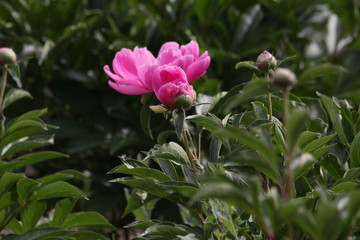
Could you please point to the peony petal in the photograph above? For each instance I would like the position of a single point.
(124, 64)
(191, 48)
(198, 68)
(184, 62)
(168, 45)
(126, 89)
(168, 56)
(144, 73)
(167, 73)
(118, 79)
(143, 56)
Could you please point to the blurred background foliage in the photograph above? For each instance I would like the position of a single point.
(66, 43)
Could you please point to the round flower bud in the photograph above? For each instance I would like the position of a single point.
(7, 56)
(184, 101)
(266, 61)
(284, 78)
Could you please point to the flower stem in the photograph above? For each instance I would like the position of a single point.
(269, 96)
(289, 182)
(2, 89)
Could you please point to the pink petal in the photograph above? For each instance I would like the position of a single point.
(167, 73)
(129, 90)
(143, 56)
(198, 68)
(191, 48)
(118, 79)
(168, 45)
(144, 73)
(184, 62)
(124, 64)
(167, 56)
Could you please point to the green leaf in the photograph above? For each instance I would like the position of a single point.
(40, 234)
(301, 164)
(90, 220)
(62, 210)
(212, 124)
(247, 64)
(334, 114)
(7, 199)
(168, 168)
(306, 137)
(355, 152)
(317, 143)
(86, 235)
(31, 214)
(26, 145)
(327, 215)
(145, 116)
(29, 159)
(179, 121)
(332, 164)
(163, 136)
(255, 87)
(160, 230)
(19, 125)
(24, 189)
(56, 190)
(345, 187)
(7, 180)
(322, 150)
(61, 176)
(14, 71)
(142, 172)
(136, 199)
(14, 95)
(295, 127)
(147, 184)
(285, 60)
(260, 110)
(184, 188)
(172, 151)
(251, 141)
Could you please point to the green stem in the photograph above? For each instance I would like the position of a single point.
(269, 97)
(2, 89)
(289, 182)
(185, 135)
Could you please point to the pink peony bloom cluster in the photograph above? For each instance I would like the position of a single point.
(138, 72)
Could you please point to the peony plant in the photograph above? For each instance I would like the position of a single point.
(242, 167)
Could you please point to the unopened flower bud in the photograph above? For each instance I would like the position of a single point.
(184, 101)
(176, 95)
(266, 61)
(7, 56)
(284, 78)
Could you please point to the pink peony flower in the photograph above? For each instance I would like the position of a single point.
(131, 71)
(170, 82)
(185, 56)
